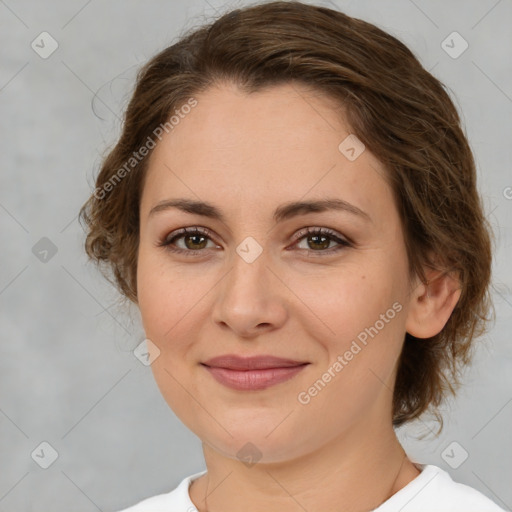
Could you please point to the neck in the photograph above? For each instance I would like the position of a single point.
(356, 472)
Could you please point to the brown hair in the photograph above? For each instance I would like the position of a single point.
(393, 105)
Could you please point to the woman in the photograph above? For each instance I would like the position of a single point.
(292, 205)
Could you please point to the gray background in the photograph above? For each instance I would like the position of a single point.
(68, 374)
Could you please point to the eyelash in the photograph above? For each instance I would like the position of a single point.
(167, 242)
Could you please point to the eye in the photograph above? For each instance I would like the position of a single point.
(318, 240)
(195, 239)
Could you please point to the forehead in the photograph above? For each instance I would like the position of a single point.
(278, 144)
(280, 117)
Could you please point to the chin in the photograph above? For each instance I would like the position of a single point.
(264, 444)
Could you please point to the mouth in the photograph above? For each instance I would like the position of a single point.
(252, 373)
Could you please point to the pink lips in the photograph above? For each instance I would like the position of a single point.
(252, 373)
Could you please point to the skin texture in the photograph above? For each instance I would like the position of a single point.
(248, 154)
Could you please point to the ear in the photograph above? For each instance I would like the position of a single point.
(432, 303)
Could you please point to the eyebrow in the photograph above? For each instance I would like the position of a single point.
(283, 212)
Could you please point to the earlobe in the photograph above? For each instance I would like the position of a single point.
(432, 303)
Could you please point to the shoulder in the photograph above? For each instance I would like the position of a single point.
(178, 500)
(434, 489)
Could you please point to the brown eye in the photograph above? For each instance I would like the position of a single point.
(319, 239)
(194, 240)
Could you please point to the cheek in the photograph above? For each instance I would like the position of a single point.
(173, 311)
(366, 314)
(348, 301)
(165, 303)
(363, 308)
(162, 295)
(150, 290)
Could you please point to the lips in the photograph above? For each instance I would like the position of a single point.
(234, 362)
(252, 373)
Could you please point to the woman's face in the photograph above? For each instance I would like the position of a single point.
(254, 283)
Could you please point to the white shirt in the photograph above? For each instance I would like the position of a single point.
(432, 490)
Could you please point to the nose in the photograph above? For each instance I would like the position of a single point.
(251, 299)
